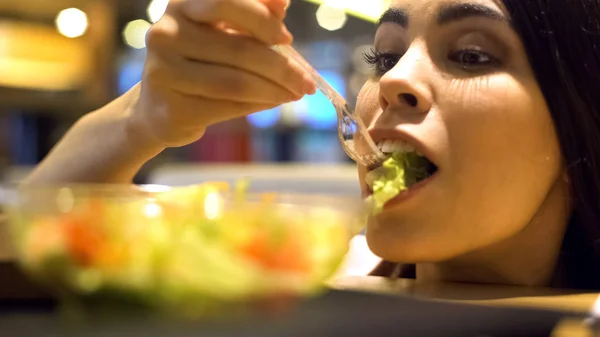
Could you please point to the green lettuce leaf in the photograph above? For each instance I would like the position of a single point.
(394, 176)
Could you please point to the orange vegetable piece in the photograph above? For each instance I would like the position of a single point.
(288, 256)
(83, 240)
(268, 197)
(111, 256)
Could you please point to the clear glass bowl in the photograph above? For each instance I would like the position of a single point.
(178, 247)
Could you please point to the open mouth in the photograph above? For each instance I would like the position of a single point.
(404, 168)
(417, 167)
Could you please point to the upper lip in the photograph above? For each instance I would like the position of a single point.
(382, 134)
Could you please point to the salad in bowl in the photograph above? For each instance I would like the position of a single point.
(182, 246)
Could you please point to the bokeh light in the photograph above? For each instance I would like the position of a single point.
(72, 22)
(135, 32)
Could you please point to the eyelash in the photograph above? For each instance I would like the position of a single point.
(384, 62)
(378, 60)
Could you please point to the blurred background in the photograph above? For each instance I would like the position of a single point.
(60, 59)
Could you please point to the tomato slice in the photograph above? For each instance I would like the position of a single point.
(83, 234)
(287, 256)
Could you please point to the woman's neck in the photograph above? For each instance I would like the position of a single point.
(528, 258)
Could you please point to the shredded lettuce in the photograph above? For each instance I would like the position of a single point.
(394, 176)
(188, 246)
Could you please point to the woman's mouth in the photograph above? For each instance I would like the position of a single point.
(405, 171)
(417, 166)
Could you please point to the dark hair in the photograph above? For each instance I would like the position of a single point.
(562, 41)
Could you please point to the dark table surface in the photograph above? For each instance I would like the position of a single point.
(339, 313)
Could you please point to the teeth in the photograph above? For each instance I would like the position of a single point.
(399, 146)
(387, 146)
(396, 145)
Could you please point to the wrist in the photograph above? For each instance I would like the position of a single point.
(135, 130)
(148, 127)
(127, 149)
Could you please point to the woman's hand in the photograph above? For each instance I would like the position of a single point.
(210, 61)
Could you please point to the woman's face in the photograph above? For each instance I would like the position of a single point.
(452, 78)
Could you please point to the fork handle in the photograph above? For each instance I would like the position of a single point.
(322, 85)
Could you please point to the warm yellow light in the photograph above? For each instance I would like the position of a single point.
(213, 206)
(369, 10)
(28, 50)
(72, 22)
(134, 33)
(331, 17)
(153, 210)
(157, 9)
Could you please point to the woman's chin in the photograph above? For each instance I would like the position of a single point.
(396, 243)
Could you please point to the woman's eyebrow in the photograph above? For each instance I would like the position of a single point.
(455, 12)
(447, 14)
(394, 15)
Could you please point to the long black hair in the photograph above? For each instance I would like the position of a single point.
(562, 40)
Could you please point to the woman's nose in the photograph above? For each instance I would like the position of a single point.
(407, 85)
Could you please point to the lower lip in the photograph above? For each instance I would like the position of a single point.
(408, 194)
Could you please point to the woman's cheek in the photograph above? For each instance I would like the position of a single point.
(492, 110)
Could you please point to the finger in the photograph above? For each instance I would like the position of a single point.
(223, 110)
(179, 119)
(277, 7)
(224, 83)
(235, 51)
(251, 15)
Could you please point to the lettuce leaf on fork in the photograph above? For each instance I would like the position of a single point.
(397, 174)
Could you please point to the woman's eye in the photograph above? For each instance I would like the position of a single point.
(473, 60)
(381, 62)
